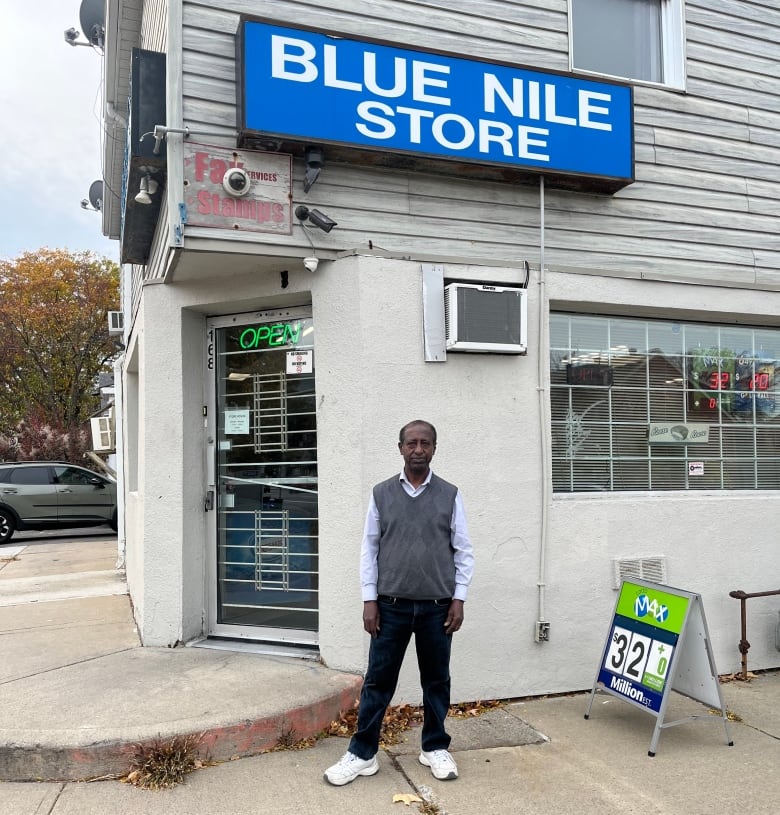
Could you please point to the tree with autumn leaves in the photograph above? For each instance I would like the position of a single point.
(54, 340)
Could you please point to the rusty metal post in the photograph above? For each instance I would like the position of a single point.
(744, 645)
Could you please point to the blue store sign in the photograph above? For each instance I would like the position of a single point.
(308, 86)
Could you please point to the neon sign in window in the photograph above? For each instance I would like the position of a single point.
(272, 335)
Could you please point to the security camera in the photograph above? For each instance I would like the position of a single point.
(314, 156)
(319, 219)
(236, 182)
(71, 35)
(311, 263)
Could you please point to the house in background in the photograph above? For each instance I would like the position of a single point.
(550, 227)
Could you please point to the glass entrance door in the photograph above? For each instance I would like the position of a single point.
(265, 477)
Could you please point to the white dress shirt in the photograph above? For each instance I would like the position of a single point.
(461, 544)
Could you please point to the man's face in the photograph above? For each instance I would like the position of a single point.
(417, 448)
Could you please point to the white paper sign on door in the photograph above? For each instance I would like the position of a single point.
(236, 422)
(299, 362)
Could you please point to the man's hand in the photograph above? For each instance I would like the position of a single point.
(454, 617)
(371, 617)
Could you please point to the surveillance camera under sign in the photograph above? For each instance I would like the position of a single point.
(239, 190)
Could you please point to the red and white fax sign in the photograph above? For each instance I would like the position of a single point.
(265, 204)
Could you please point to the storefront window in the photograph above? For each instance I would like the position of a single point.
(662, 405)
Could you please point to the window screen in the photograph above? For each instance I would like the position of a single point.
(661, 405)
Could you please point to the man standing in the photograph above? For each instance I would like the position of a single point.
(416, 563)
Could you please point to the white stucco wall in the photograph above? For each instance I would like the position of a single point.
(371, 379)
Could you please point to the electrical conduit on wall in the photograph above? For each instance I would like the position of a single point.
(543, 392)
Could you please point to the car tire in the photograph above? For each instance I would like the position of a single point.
(7, 526)
(113, 522)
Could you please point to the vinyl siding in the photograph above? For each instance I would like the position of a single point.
(704, 207)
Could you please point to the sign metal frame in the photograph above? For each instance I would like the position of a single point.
(658, 642)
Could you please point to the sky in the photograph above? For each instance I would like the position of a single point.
(50, 131)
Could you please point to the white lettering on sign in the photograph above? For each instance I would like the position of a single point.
(450, 130)
(627, 689)
(515, 103)
(293, 59)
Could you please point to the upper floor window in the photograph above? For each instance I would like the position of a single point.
(630, 39)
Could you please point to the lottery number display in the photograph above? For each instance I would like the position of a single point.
(719, 382)
(658, 642)
(641, 644)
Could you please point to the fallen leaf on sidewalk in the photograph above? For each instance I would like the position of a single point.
(407, 798)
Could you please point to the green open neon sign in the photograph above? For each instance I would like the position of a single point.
(271, 335)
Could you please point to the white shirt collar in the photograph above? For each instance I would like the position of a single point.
(425, 483)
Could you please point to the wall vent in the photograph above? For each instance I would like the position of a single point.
(485, 319)
(652, 569)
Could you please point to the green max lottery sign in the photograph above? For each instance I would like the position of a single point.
(652, 607)
(643, 637)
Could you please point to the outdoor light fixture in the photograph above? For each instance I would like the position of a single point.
(314, 216)
(147, 189)
(315, 161)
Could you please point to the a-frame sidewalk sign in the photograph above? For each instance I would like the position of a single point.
(658, 643)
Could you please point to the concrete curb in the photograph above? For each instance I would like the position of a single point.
(113, 756)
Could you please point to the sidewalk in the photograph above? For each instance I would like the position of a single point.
(74, 682)
(78, 692)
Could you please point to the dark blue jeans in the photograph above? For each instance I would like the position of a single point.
(398, 620)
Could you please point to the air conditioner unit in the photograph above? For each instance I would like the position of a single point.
(486, 319)
(103, 433)
(116, 322)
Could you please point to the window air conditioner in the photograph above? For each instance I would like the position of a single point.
(102, 433)
(116, 322)
(485, 319)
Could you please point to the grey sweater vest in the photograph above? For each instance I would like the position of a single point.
(415, 549)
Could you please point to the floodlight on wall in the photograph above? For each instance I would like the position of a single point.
(314, 155)
(147, 189)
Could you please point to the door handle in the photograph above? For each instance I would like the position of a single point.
(208, 504)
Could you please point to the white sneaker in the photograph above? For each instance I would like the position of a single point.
(349, 767)
(442, 764)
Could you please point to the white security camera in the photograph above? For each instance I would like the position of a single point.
(236, 182)
(311, 263)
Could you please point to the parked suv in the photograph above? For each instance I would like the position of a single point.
(53, 495)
